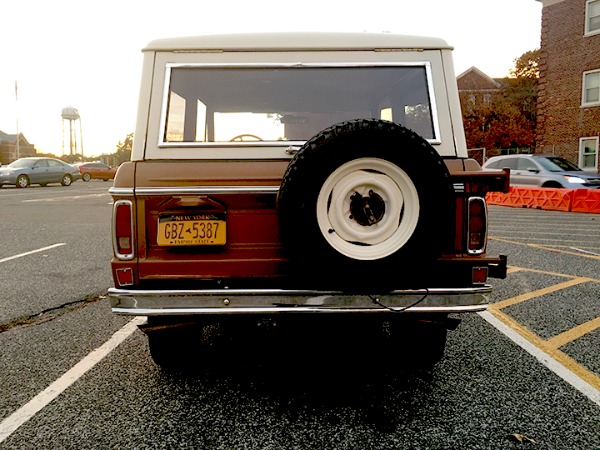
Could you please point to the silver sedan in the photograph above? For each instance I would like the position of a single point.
(41, 170)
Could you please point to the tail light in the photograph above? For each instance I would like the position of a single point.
(477, 226)
(123, 229)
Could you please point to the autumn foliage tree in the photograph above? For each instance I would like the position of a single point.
(506, 117)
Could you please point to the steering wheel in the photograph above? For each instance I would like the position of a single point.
(245, 137)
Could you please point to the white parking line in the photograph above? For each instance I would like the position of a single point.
(582, 386)
(69, 197)
(36, 404)
(584, 251)
(32, 251)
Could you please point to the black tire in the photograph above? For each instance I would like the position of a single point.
(86, 177)
(66, 180)
(400, 164)
(552, 184)
(22, 181)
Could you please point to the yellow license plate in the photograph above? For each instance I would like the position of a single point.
(200, 229)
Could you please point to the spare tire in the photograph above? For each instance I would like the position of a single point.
(364, 200)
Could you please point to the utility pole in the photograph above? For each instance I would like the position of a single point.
(18, 150)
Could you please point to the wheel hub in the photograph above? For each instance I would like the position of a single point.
(367, 210)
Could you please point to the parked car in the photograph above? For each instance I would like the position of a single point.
(38, 170)
(96, 170)
(544, 171)
(284, 177)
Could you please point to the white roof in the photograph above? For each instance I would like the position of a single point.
(297, 42)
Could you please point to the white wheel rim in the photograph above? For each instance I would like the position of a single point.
(391, 231)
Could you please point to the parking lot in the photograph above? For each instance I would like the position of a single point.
(558, 311)
(75, 376)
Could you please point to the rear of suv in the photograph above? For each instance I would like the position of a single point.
(283, 177)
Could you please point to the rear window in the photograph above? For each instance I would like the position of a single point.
(244, 103)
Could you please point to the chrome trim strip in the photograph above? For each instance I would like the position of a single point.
(252, 301)
(204, 190)
(294, 310)
(433, 105)
(207, 190)
(124, 192)
(293, 292)
(245, 144)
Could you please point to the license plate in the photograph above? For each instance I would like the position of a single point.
(198, 229)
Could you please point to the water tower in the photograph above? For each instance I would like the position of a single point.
(75, 145)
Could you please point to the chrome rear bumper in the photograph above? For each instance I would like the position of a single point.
(274, 301)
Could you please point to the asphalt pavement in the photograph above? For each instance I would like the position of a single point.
(487, 393)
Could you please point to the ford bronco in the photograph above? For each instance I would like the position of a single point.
(296, 176)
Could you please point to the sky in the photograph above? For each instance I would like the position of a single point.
(87, 55)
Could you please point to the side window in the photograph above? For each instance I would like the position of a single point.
(591, 88)
(41, 163)
(592, 17)
(588, 153)
(511, 163)
(54, 164)
(525, 164)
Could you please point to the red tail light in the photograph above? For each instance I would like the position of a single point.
(123, 229)
(477, 231)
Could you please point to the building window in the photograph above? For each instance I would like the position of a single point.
(592, 17)
(588, 153)
(591, 88)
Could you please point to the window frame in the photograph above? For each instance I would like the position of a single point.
(584, 102)
(581, 153)
(589, 32)
(163, 144)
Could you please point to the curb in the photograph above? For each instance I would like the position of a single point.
(569, 200)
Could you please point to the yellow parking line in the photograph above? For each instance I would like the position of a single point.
(583, 255)
(539, 292)
(591, 378)
(574, 333)
(545, 272)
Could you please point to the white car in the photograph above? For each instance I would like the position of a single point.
(544, 171)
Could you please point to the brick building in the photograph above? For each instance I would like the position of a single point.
(568, 112)
(8, 148)
(477, 86)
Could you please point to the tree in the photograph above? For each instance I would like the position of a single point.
(123, 152)
(505, 118)
(527, 65)
(523, 83)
